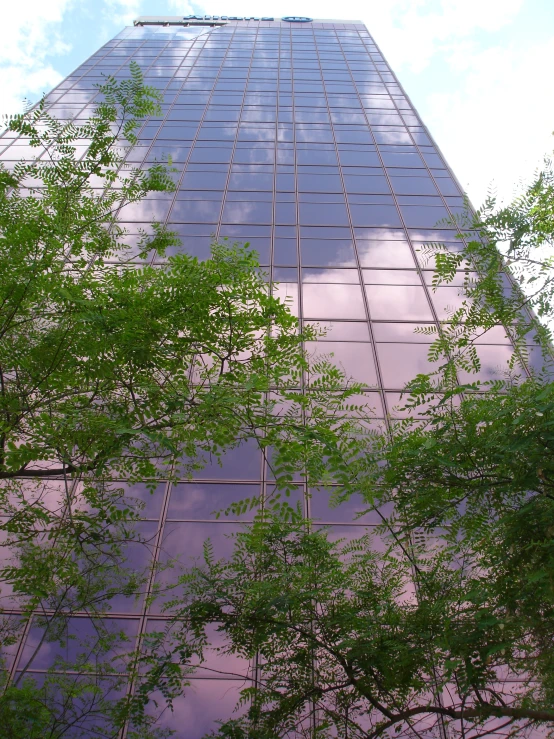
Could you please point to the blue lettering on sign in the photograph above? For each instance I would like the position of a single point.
(296, 19)
(234, 18)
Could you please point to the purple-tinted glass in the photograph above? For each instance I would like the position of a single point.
(385, 254)
(199, 501)
(332, 301)
(349, 276)
(375, 215)
(204, 703)
(414, 333)
(400, 363)
(150, 499)
(355, 360)
(285, 251)
(361, 183)
(138, 554)
(241, 463)
(447, 300)
(216, 663)
(398, 302)
(182, 545)
(247, 212)
(494, 364)
(327, 253)
(312, 154)
(324, 506)
(67, 639)
(341, 330)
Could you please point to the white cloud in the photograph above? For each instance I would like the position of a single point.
(494, 121)
(413, 33)
(26, 39)
(497, 124)
(121, 12)
(17, 84)
(409, 31)
(181, 7)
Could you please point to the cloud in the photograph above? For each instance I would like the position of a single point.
(181, 7)
(492, 117)
(25, 43)
(413, 32)
(18, 83)
(121, 12)
(477, 85)
(409, 31)
(495, 126)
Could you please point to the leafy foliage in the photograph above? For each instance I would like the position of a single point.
(439, 622)
(505, 256)
(112, 367)
(349, 645)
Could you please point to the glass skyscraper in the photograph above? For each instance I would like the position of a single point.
(293, 135)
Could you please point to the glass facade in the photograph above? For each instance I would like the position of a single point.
(296, 138)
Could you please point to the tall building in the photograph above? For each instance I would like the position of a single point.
(293, 135)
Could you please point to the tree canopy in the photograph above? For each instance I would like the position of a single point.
(116, 366)
(440, 621)
(120, 363)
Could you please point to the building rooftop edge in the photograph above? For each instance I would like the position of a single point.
(209, 19)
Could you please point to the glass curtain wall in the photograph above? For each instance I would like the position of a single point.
(296, 138)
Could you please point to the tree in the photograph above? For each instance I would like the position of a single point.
(112, 367)
(351, 644)
(440, 621)
(444, 621)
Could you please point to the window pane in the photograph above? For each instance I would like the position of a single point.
(236, 212)
(447, 186)
(332, 301)
(400, 363)
(331, 275)
(413, 185)
(423, 216)
(200, 501)
(375, 215)
(328, 214)
(251, 181)
(321, 183)
(494, 364)
(402, 159)
(241, 463)
(397, 302)
(205, 154)
(366, 184)
(398, 332)
(254, 156)
(288, 293)
(204, 703)
(195, 211)
(342, 330)
(284, 251)
(359, 159)
(391, 277)
(316, 156)
(347, 511)
(447, 300)
(355, 360)
(384, 254)
(327, 252)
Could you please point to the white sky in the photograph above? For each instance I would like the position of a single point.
(478, 71)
